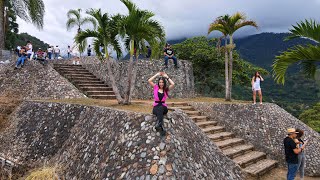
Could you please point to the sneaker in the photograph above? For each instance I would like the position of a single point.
(15, 67)
(261, 103)
(254, 103)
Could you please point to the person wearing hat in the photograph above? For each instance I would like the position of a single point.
(291, 152)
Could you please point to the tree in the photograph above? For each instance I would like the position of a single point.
(28, 10)
(312, 117)
(105, 33)
(11, 27)
(228, 25)
(137, 28)
(75, 20)
(307, 56)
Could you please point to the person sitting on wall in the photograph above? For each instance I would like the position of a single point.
(22, 58)
(169, 54)
(160, 92)
(41, 56)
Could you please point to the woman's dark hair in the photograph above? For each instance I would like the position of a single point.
(255, 75)
(165, 88)
(300, 133)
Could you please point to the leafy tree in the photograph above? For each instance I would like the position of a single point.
(28, 10)
(312, 117)
(228, 25)
(208, 66)
(105, 33)
(137, 28)
(11, 27)
(307, 56)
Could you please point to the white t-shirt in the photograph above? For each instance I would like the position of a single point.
(56, 50)
(49, 50)
(30, 49)
(69, 50)
(75, 50)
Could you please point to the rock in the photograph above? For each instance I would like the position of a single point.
(154, 169)
(162, 146)
(143, 154)
(156, 157)
(163, 153)
(169, 167)
(161, 169)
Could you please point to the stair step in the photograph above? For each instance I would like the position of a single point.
(235, 151)
(80, 75)
(91, 93)
(229, 143)
(261, 167)
(102, 96)
(220, 136)
(206, 123)
(192, 112)
(91, 85)
(173, 104)
(181, 107)
(213, 129)
(88, 81)
(76, 72)
(86, 78)
(70, 68)
(199, 118)
(249, 158)
(96, 88)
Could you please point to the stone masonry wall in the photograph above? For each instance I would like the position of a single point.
(35, 81)
(183, 77)
(89, 142)
(264, 126)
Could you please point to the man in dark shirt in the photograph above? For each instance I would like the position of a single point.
(148, 52)
(169, 54)
(291, 151)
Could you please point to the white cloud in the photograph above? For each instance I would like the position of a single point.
(180, 18)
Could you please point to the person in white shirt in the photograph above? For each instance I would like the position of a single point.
(50, 52)
(69, 52)
(29, 49)
(255, 83)
(56, 52)
(76, 53)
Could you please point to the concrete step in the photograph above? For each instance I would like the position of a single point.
(79, 68)
(91, 93)
(261, 167)
(199, 118)
(86, 88)
(236, 151)
(81, 81)
(220, 136)
(76, 72)
(85, 78)
(190, 108)
(249, 158)
(102, 96)
(229, 143)
(91, 85)
(192, 113)
(206, 123)
(213, 129)
(174, 104)
(80, 75)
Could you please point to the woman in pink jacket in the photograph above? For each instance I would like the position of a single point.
(160, 93)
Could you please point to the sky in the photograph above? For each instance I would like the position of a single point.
(180, 18)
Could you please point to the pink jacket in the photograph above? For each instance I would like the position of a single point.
(156, 97)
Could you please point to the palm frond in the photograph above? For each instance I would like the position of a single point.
(86, 34)
(89, 20)
(217, 27)
(308, 29)
(72, 22)
(309, 68)
(245, 23)
(75, 13)
(30, 11)
(304, 54)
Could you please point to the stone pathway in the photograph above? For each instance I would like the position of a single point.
(253, 162)
(85, 81)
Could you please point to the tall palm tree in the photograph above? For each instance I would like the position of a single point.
(138, 29)
(228, 25)
(307, 56)
(76, 20)
(28, 10)
(105, 33)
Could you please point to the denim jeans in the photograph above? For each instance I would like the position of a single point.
(56, 55)
(292, 171)
(49, 55)
(69, 55)
(301, 164)
(166, 58)
(21, 60)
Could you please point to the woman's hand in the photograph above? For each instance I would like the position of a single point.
(165, 75)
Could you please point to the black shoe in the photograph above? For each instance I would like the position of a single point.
(163, 132)
(15, 67)
(158, 127)
(176, 66)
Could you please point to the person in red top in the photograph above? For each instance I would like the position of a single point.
(160, 93)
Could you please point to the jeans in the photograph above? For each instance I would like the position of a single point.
(49, 55)
(160, 111)
(69, 55)
(292, 171)
(301, 164)
(21, 60)
(56, 55)
(166, 58)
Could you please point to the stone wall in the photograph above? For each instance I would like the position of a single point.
(89, 142)
(35, 81)
(264, 126)
(183, 77)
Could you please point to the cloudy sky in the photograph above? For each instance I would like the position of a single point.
(180, 18)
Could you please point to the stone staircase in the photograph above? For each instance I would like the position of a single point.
(85, 81)
(253, 162)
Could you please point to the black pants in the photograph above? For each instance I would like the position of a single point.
(159, 111)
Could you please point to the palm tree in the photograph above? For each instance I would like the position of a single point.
(105, 33)
(307, 56)
(28, 10)
(75, 20)
(137, 29)
(228, 25)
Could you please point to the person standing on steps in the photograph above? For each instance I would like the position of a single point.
(255, 83)
(50, 50)
(89, 49)
(56, 52)
(160, 93)
(69, 52)
(291, 152)
(169, 54)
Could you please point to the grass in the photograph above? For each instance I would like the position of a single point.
(46, 173)
(7, 105)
